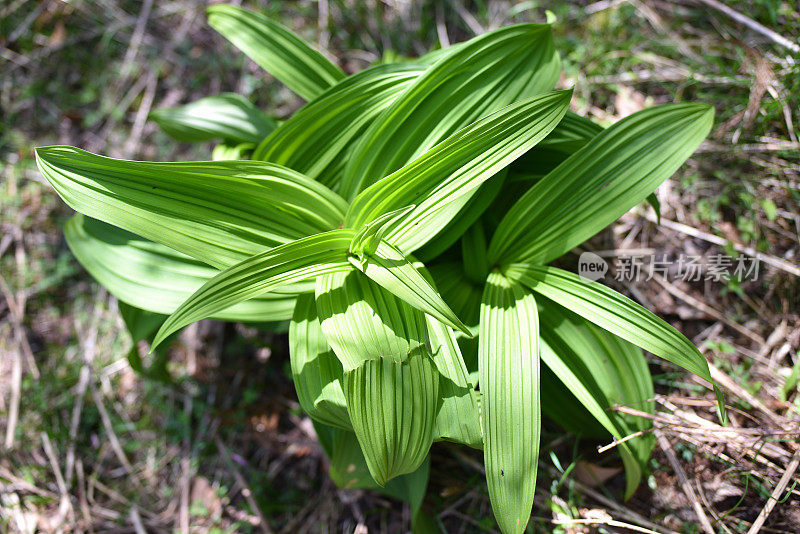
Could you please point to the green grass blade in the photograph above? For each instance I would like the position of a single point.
(439, 182)
(275, 49)
(463, 85)
(316, 371)
(612, 173)
(508, 363)
(227, 116)
(220, 212)
(156, 278)
(319, 139)
(299, 260)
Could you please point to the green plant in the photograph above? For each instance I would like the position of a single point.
(464, 159)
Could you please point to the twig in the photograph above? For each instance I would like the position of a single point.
(728, 383)
(13, 406)
(776, 493)
(665, 445)
(688, 230)
(630, 515)
(604, 448)
(112, 436)
(246, 493)
(603, 521)
(702, 306)
(138, 34)
(65, 506)
(132, 145)
(753, 25)
(136, 520)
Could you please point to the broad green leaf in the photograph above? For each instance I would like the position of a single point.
(463, 85)
(320, 137)
(508, 363)
(227, 116)
(316, 371)
(612, 173)
(393, 403)
(391, 270)
(275, 49)
(571, 134)
(474, 208)
(438, 182)
(613, 312)
(349, 469)
(156, 278)
(473, 253)
(458, 419)
(460, 293)
(363, 321)
(293, 262)
(219, 212)
(601, 371)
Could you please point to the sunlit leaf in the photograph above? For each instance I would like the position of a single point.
(393, 404)
(156, 278)
(438, 182)
(464, 84)
(299, 260)
(316, 371)
(219, 212)
(612, 173)
(276, 49)
(508, 362)
(318, 140)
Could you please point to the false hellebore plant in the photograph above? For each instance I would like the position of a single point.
(466, 160)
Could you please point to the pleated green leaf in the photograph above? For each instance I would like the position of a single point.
(156, 278)
(275, 49)
(612, 173)
(601, 371)
(293, 262)
(458, 419)
(219, 212)
(613, 312)
(363, 321)
(393, 405)
(460, 293)
(508, 365)
(438, 183)
(463, 85)
(319, 139)
(391, 270)
(227, 116)
(316, 371)
(470, 212)
(571, 134)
